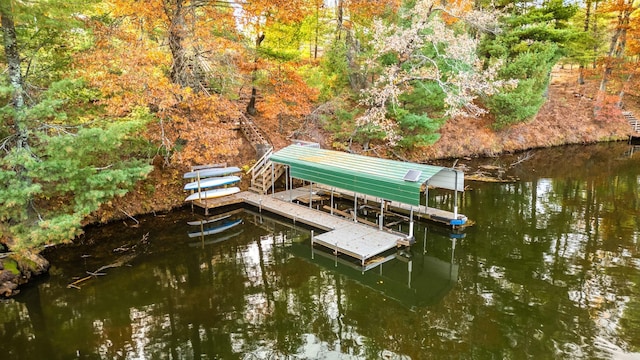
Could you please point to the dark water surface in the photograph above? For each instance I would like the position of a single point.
(551, 270)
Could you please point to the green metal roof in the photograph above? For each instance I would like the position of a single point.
(377, 177)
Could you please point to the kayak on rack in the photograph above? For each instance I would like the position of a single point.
(205, 173)
(212, 182)
(211, 194)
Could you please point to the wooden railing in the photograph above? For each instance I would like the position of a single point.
(632, 120)
(264, 173)
(260, 164)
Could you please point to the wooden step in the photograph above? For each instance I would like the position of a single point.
(632, 120)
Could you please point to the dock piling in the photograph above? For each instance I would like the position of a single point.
(411, 224)
(331, 201)
(355, 207)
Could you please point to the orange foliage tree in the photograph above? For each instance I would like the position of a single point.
(257, 17)
(623, 26)
(133, 68)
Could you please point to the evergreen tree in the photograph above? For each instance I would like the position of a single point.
(67, 171)
(59, 162)
(532, 42)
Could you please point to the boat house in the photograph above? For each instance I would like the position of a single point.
(395, 183)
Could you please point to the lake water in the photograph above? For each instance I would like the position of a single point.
(550, 270)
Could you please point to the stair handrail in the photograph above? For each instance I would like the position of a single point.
(260, 163)
(247, 125)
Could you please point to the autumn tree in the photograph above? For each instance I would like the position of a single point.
(185, 86)
(257, 19)
(585, 43)
(353, 19)
(428, 52)
(626, 14)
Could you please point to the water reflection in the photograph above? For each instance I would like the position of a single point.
(550, 270)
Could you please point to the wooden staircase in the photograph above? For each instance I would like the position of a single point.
(633, 121)
(254, 135)
(264, 173)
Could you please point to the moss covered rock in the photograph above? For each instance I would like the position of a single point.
(18, 269)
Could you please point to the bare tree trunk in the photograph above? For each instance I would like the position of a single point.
(356, 79)
(339, 19)
(12, 54)
(616, 49)
(176, 37)
(621, 94)
(595, 33)
(251, 107)
(617, 44)
(315, 50)
(586, 29)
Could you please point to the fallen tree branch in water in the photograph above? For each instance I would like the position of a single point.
(94, 274)
(523, 158)
(487, 178)
(130, 217)
(123, 260)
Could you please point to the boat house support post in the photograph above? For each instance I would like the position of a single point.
(364, 207)
(331, 201)
(310, 194)
(381, 224)
(426, 196)
(411, 223)
(291, 186)
(355, 207)
(455, 197)
(273, 180)
(286, 179)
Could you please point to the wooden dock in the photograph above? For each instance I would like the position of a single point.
(342, 236)
(302, 195)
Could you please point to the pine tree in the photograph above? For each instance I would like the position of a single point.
(59, 162)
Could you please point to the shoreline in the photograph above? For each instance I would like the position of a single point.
(564, 120)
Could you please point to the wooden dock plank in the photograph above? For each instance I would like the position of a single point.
(300, 213)
(358, 241)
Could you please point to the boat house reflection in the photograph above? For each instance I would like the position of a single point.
(415, 277)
